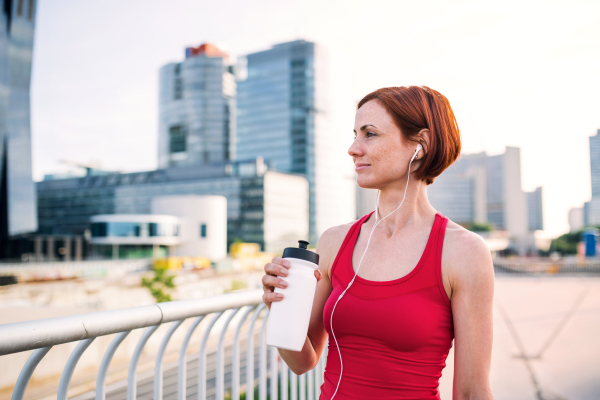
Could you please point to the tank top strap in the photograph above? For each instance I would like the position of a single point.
(345, 251)
(438, 257)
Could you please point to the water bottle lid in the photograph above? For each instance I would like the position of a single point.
(301, 252)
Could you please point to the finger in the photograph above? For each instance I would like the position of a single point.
(271, 297)
(281, 261)
(276, 270)
(272, 281)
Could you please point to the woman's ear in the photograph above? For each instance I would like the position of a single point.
(424, 139)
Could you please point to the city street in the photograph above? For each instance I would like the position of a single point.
(546, 339)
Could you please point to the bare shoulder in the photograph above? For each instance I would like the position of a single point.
(329, 244)
(466, 258)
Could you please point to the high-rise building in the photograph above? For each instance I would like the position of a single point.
(592, 207)
(18, 212)
(196, 109)
(460, 196)
(284, 116)
(535, 213)
(486, 188)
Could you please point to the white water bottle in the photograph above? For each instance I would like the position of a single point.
(289, 318)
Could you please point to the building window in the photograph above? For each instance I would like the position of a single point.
(177, 139)
(30, 10)
(203, 230)
(178, 89)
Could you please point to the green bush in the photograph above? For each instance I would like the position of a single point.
(160, 284)
(480, 227)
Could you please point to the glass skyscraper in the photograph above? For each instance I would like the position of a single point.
(18, 211)
(284, 116)
(196, 109)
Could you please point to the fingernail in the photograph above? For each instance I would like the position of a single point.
(284, 272)
(287, 264)
(279, 296)
(284, 284)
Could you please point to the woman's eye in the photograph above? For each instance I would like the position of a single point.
(369, 134)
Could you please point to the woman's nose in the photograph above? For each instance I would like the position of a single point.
(355, 149)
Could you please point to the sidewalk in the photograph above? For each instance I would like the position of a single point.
(546, 339)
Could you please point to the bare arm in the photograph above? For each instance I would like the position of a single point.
(304, 360)
(471, 275)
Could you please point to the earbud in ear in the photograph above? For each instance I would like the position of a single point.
(419, 147)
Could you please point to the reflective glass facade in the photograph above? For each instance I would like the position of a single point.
(284, 116)
(196, 111)
(17, 190)
(66, 206)
(133, 229)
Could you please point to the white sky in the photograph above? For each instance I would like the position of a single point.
(517, 73)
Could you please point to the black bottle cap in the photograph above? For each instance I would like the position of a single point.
(301, 253)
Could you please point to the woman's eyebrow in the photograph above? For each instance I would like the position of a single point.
(364, 127)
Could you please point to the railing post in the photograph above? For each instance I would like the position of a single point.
(250, 354)
(65, 379)
(262, 369)
(235, 361)
(158, 366)
(182, 368)
(27, 371)
(110, 352)
(220, 372)
(135, 358)
(202, 359)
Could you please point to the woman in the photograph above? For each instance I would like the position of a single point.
(424, 280)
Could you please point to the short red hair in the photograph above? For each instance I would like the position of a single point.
(415, 108)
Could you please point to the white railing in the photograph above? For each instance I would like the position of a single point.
(51, 270)
(244, 306)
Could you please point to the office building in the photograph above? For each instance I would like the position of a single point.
(284, 115)
(17, 190)
(535, 213)
(483, 188)
(196, 109)
(576, 219)
(460, 193)
(265, 207)
(592, 207)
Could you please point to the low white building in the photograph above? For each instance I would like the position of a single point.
(192, 226)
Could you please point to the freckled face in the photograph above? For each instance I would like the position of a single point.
(380, 153)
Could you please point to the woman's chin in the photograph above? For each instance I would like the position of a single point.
(365, 183)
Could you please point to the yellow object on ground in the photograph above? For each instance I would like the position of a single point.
(182, 262)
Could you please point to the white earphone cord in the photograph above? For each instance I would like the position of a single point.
(356, 273)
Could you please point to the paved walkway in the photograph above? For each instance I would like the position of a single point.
(546, 339)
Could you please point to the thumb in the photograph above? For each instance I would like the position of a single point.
(318, 275)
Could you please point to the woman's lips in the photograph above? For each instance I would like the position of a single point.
(361, 166)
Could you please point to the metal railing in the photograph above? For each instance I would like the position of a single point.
(52, 270)
(274, 382)
(546, 266)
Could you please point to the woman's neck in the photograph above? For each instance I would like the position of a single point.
(415, 210)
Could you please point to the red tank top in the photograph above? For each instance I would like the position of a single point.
(395, 335)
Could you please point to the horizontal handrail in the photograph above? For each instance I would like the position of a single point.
(30, 335)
